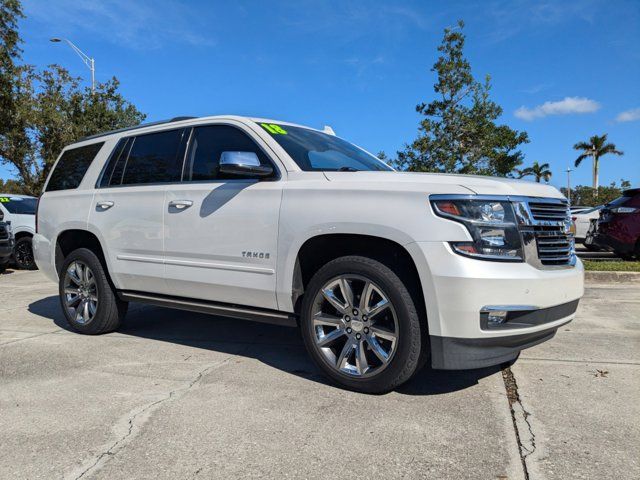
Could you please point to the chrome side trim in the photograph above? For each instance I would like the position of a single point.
(187, 263)
(138, 258)
(220, 266)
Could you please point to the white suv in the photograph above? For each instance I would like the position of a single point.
(269, 221)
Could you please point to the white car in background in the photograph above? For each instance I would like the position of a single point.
(20, 210)
(582, 221)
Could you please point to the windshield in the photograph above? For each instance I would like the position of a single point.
(19, 205)
(317, 151)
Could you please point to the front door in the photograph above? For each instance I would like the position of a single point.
(221, 230)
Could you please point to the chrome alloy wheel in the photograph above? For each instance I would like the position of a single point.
(355, 325)
(80, 292)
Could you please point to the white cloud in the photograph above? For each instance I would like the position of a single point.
(566, 106)
(629, 115)
(140, 24)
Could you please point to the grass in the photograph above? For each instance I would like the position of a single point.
(611, 266)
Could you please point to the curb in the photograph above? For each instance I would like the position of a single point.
(611, 277)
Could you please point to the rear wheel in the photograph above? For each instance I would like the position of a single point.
(360, 325)
(625, 255)
(23, 253)
(88, 299)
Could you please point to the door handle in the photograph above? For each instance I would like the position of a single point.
(105, 205)
(180, 204)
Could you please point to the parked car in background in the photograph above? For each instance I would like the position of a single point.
(6, 243)
(618, 228)
(578, 209)
(382, 271)
(582, 221)
(20, 211)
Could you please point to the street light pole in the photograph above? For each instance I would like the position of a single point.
(86, 59)
(569, 184)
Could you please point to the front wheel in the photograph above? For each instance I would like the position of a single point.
(360, 325)
(23, 253)
(88, 299)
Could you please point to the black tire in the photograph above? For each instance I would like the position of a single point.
(110, 309)
(591, 247)
(411, 332)
(23, 254)
(627, 256)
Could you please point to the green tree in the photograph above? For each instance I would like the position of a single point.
(538, 171)
(10, 14)
(48, 109)
(595, 148)
(10, 186)
(458, 133)
(590, 197)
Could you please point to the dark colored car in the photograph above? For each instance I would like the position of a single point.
(6, 244)
(618, 228)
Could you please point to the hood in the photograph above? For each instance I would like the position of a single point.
(475, 183)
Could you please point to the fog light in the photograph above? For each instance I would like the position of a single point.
(497, 317)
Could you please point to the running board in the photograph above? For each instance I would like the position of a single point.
(254, 314)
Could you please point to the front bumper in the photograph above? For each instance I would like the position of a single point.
(458, 289)
(6, 249)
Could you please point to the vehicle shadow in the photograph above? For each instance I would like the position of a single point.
(278, 347)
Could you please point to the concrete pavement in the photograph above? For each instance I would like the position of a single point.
(183, 395)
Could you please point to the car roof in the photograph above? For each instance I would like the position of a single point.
(186, 118)
(631, 192)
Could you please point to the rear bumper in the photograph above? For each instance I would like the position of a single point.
(43, 255)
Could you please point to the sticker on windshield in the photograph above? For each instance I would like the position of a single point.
(5, 199)
(274, 129)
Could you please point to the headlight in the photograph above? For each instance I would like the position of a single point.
(491, 223)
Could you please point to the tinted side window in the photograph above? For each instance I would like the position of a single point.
(208, 143)
(154, 158)
(112, 174)
(72, 166)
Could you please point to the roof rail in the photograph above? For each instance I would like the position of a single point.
(136, 127)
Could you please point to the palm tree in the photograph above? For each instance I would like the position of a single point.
(595, 148)
(538, 171)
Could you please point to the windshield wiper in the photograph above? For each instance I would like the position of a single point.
(348, 169)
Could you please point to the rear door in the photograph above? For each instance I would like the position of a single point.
(221, 231)
(129, 205)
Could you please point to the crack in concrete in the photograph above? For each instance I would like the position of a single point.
(134, 422)
(29, 338)
(526, 440)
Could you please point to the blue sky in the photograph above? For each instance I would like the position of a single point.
(562, 70)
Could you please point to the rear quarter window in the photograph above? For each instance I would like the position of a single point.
(72, 166)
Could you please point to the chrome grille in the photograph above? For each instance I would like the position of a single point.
(545, 230)
(543, 211)
(554, 246)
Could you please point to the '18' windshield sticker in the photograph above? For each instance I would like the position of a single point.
(274, 129)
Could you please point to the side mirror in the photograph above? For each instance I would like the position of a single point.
(243, 163)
